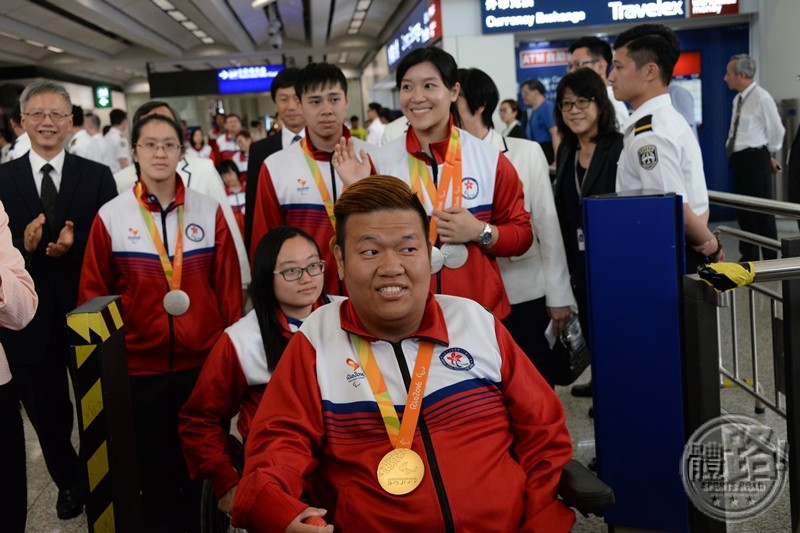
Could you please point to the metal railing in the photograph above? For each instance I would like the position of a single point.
(705, 337)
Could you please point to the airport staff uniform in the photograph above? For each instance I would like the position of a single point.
(661, 152)
(759, 131)
(117, 147)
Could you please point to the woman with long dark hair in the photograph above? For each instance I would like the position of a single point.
(287, 285)
(586, 165)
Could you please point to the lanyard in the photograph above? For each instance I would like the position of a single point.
(171, 270)
(418, 171)
(317, 173)
(400, 434)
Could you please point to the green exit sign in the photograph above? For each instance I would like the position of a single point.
(102, 97)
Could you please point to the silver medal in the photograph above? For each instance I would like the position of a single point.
(176, 302)
(455, 255)
(437, 260)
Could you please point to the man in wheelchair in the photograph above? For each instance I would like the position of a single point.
(479, 442)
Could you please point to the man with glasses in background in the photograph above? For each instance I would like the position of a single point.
(594, 53)
(51, 198)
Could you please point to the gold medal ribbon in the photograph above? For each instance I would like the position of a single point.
(327, 201)
(452, 172)
(172, 270)
(400, 434)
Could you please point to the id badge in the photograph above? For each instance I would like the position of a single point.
(581, 242)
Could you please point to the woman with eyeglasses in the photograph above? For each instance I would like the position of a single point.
(169, 253)
(509, 111)
(586, 164)
(287, 285)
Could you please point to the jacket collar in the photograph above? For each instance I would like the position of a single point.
(432, 328)
(439, 148)
(321, 155)
(152, 202)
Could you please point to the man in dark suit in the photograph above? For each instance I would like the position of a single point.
(51, 198)
(292, 129)
(793, 171)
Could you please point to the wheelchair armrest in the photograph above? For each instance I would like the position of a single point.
(580, 489)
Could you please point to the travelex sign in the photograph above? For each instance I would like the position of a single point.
(524, 15)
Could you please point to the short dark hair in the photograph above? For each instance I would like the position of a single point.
(535, 85)
(286, 78)
(654, 43)
(441, 61)
(375, 106)
(319, 75)
(77, 115)
(117, 116)
(354, 117)
(16, 114)
(229, 115)
(585, 83)
(227, 166)
(479, 90)
(376, 193)
(147, 107)
(598, 48)
(513, 104)
(386, 113)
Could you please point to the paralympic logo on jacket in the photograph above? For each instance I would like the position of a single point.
(457, 359)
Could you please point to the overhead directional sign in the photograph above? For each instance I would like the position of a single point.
(247, 79)
(102, 97)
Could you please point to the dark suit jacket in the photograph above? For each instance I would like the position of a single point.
(259, 151)
(85, 186)
(600, 178)
(793, 169)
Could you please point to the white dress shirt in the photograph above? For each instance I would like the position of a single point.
(37, 162)
(759, 121)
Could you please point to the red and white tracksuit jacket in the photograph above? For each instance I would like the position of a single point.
(491, 432)
(122, 259)
(492, 192)
(288, 195)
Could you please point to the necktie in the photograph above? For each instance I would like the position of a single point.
(295, 139)
(732, 138)
(49, 196)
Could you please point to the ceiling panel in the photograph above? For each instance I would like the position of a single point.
(115, 40)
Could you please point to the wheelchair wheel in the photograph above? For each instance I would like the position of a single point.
(212, 520)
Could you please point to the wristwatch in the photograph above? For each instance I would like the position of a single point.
(485, 237)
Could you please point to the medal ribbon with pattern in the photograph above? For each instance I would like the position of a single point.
(400, 434)
(452, 172)
(172, 270)
(327, 201)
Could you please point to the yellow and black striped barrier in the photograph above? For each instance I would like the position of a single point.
(102, 393)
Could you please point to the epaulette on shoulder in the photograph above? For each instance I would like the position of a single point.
(643, 124)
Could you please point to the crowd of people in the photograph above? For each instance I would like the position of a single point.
(391, 284)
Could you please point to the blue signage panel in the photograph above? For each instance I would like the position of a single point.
(246, 79)
(500, 16)
(422, 27)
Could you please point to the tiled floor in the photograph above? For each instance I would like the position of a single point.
(42, 492)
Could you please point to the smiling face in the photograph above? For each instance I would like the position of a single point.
(288, 108)
(386, 267)
(296, 298)
(157, 150)
(425, 101)
(47, 135)
(582, 122)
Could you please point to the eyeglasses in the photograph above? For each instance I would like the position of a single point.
(55, 116)
(168, 147)
(581, 103)
(295, 273)
(575, 65)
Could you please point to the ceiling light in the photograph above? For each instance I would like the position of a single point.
(177, 15)
(10, 36)
(359, 15)
(189, 25)
(56, 50)
(356, 24)
(200, 34)
(35, 43)
(208, 40)
(363, 5)
(260, 3)
(343, 57)
(164, 4)
(352, 31)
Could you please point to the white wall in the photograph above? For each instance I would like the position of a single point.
(779, 60)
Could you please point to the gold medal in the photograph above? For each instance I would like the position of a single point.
(400, 471)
